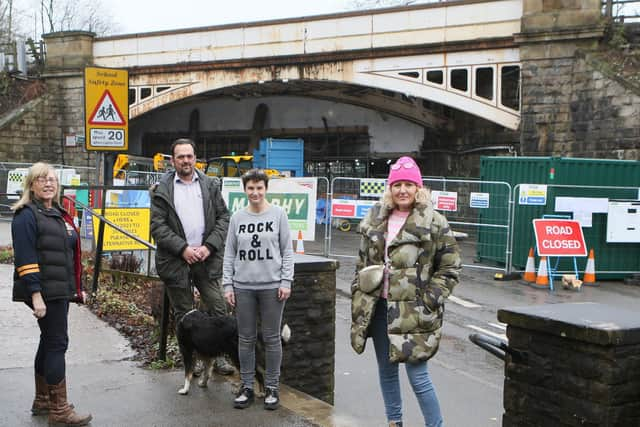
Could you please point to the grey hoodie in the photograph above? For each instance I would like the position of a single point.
(259, 251)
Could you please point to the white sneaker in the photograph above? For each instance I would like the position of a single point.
(271, 398)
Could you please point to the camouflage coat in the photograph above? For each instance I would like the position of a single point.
(424, 264)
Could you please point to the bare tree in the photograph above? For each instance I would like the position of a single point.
(6, 20)
(67, 15)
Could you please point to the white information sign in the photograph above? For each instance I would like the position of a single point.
(107, 137)
(623, 222)
(479, 200)
(582, 207)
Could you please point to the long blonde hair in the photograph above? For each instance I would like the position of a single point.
(36, 171)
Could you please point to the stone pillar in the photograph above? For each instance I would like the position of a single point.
(552, 32)
(578, 365)
(68, 53)
(308, 360)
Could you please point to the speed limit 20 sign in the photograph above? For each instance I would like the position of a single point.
(106, 109)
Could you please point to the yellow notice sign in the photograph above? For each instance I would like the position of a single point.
(133, 220)
(106, 109)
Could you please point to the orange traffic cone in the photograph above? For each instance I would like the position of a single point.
(590, 270)
(530, 269)
(300, 243)
(543, 276)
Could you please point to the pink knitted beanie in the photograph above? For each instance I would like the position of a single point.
(405, 169)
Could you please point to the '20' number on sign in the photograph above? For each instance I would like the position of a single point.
(116, 135)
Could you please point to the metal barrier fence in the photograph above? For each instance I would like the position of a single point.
(321, 241)
(137, 178)
(613, 260)
(348, 192)
(86, 202)
(481, 216)
(12, 173)
(465, 203)
(495, 230)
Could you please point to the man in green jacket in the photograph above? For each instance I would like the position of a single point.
(189, 222)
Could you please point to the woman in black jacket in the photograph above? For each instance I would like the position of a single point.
(47, 277)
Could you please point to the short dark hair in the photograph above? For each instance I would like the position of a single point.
(182, 141)
(255, 175)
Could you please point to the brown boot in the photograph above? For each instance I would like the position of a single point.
(60, 412)
(41, 401)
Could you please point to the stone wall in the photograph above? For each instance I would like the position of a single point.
(570, 383)
(574, 103)
(37, 130)
(570, 108)
(580, 366)
(308, 360)
(456, 150)
(23, 134)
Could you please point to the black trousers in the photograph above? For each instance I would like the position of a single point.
(54, 340)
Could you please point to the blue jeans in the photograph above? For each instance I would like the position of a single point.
(390, 382)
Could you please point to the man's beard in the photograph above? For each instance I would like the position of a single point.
(184, 174)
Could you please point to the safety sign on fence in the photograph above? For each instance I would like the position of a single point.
(559, 237)
(371, 187)
(533, 194)
(133, 220)
(479, 200)
(445, 200)
(15, 180)
(348, 208)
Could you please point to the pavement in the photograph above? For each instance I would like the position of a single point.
(103, 380)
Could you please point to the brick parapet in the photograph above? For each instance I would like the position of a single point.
(579, 365)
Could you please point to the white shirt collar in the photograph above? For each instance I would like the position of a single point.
(194, 178)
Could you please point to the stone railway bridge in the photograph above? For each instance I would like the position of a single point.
(447, 82)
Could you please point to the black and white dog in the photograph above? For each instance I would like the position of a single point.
(207, 337)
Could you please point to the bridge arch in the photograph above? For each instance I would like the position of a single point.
(486, 86)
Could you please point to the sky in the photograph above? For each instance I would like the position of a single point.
(137, 16)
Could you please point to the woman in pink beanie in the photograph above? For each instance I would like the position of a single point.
(416, 261)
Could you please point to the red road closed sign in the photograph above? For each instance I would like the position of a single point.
(559, 237)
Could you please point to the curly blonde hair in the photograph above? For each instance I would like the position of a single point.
(423, 197)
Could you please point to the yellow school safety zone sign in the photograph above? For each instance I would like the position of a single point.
(106, 109)
(133, 220)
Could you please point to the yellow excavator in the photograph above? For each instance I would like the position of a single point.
(233, 166)
(160, 162)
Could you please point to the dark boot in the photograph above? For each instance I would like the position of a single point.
(41, 401)
(60, 412)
